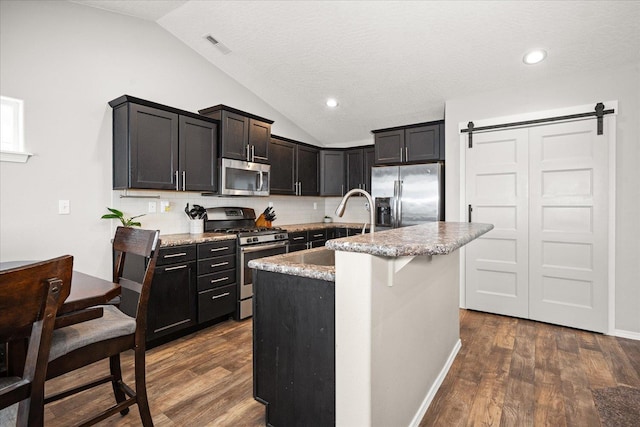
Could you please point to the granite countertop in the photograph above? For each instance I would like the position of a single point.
(295, 264)
(192, 239)
(437, 238)
(316, 225)
(434, 238)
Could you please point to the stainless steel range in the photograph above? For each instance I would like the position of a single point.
(253, 243)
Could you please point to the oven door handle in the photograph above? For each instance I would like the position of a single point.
(257, 248)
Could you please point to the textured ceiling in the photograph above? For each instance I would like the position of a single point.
(391, 63)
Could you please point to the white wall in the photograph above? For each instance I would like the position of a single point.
(622, 84)
(66, 61)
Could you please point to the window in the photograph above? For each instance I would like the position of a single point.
(12, 130)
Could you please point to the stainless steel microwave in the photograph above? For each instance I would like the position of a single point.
(240, 178)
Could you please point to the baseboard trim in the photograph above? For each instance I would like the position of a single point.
(626, 334)
(415, 422)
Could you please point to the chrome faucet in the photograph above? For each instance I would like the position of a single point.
(343, 202)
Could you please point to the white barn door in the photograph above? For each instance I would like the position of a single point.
(568, 222)
(545, 190)
(497, 262)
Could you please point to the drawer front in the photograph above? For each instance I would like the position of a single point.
(213, 280)
(315, 235)
(212, 265)
(176, 254)
(298, 237)
(216, 302)
(214, 249)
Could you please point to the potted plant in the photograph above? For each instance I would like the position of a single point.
(126, 222)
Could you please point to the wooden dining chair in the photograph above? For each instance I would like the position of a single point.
(84, 343)
(29, 299)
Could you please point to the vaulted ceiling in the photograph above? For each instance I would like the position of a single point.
(390, 63)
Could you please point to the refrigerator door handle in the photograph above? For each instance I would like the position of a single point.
(394, 206)
(399, 201)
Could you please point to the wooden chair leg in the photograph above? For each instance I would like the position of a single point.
(141, 388)
(116, 373)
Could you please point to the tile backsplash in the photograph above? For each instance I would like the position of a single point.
(289, 209)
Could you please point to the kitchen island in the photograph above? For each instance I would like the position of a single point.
(392, 315)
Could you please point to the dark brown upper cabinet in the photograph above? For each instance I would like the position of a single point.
(423, 142)
(358, 163)
(296, 167)
(332, 173)
(160, 147)
(243, 136)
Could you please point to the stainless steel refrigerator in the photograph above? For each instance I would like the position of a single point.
(407, 195)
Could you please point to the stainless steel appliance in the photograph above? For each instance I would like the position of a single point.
(240, 178)
(253, 243)
(407, 195)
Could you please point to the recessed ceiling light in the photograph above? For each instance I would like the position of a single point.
(331, 102)
(534, 56)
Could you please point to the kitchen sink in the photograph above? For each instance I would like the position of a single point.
(315, 257)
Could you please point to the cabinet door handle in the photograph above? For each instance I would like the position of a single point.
(177, 180)
(247, 153)
(221, 295)
(299, 188)
(342, 189)
(406, 154)
(219, 280)
(220, 264)
(318, 235)
(179, 267)
(470, 210)
(253, 153)
(175, 255)
(298, 238)
(401, 153)
(219, 249)
(184, 180)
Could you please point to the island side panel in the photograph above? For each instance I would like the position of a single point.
(353, 338)
(412, 330)
(294, 358)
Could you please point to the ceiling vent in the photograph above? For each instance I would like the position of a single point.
(222, 48)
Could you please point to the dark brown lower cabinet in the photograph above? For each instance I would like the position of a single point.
(294, 349)
(172, 301)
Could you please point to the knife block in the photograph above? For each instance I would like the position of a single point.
(261, 222)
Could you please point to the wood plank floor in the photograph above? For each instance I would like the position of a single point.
(509, 372)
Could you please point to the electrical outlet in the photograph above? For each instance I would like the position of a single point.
(270, 204)
(63, 207)
(315, 206)
(152, 207)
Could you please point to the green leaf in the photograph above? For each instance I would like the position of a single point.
(116, 212)
(110, 216)
(134, 224)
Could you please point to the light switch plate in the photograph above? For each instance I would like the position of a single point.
(63, 207)
(152, 207)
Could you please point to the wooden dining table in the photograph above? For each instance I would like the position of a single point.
(86, 294)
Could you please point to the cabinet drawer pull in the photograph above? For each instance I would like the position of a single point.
(175, 255)
(298, 238)
(179, 267)
(219, 249)
(221, 295)
(220, 264)
(318, 235)
(219, 280)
